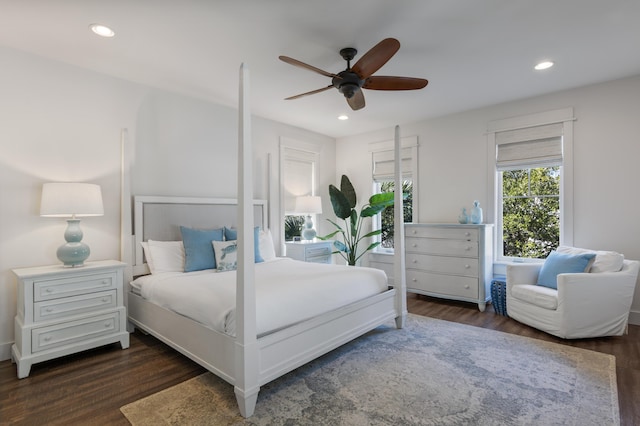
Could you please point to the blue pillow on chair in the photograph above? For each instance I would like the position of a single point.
(562, 263)
(232, 234)
(198, 250)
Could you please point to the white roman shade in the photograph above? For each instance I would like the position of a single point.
(299, 168)
(383, 165)
(539, 146)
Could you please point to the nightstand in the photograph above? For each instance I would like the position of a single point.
(66, 310)
(310, 251)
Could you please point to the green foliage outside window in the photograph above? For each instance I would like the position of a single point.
(531, 212)
(386, 216)
(292, 226)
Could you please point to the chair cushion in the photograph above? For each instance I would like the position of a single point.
(543, 297)
(605, 261)
(562, 263)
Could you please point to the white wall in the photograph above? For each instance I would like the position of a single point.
(62, 123)
(453, 166)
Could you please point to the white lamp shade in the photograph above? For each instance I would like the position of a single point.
(309, 205)
(71, 199)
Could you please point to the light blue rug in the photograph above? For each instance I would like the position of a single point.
(431, 372)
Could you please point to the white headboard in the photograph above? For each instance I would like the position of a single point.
(159, 218)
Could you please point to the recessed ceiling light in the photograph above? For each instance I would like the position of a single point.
(343, 117)
(543, 65)
(101, 30)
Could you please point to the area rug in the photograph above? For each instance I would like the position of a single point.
(431, 372)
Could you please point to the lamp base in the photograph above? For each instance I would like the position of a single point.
(73, 255)
(308, 233)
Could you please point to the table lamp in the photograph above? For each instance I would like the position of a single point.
(308, 205)
(72, 200)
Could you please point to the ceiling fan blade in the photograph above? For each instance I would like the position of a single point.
(308, 93)
(297, 63)
(356, 102)
(376, 57)
(394, 83)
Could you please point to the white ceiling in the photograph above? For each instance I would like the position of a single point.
(473, 52)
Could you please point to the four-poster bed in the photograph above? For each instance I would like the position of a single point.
(247, 359)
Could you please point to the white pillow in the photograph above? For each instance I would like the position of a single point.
(605, 261)
(165, 256)
(226, 253)
(267, 250)
(147, 255)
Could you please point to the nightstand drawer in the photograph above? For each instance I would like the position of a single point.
(68, 333)
(71, 286)
(68, 306)
(442, 247)
(312, 252)
(443, 264)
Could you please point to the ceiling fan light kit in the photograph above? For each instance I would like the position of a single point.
(352, 80)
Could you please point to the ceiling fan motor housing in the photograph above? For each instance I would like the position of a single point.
(348, 83)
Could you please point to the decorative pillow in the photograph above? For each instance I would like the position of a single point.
(168, 256)
(147, 255)
(605, 261)
(226, 253)
(562, 263)
(198, 251)
(267, 250)
(231, 234)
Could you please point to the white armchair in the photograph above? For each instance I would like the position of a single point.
(584, 305)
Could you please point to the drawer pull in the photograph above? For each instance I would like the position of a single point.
(466, 266)
(466, 234)
(414, 280)
(415, 232)
(415, 245)
(468, 248)
(49, 290)
(105, 282)
(467, 286)
(107, 324)
(104, 300)
(47, 338)
(49, 310)
(415, 260)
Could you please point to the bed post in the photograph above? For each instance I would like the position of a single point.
(399, 280)
(246, 348)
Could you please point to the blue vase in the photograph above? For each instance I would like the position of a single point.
(476, 213)
(463, 217)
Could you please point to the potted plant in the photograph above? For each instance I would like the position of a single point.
(344, 202)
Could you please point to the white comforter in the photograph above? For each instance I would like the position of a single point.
(287, 291)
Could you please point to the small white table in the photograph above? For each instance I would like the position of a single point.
(317, 251)
(66, 310)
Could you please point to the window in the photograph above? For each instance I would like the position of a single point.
(383, 167)
(531, 159)
(299, 176)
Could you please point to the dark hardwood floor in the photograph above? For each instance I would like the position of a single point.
(90, 387)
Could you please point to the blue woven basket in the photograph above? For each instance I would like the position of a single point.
(499, 296)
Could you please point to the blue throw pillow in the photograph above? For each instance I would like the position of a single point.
(198, 251)
(562, 263)
(232, 234)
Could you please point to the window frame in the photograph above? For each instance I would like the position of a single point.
(563, 116)
(411, 143)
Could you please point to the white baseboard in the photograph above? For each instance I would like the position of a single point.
(634, 317)
(5, 351)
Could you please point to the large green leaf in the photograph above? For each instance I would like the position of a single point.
(372, 210)
(340, 203)
(347, 189)
(354, 223)
(383, 199)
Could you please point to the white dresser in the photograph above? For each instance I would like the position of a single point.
(311, 251)
(450, 261)
(66, 310)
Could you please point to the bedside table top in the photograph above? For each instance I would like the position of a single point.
(61, 269)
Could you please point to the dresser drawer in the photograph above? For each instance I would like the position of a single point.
(443, 264)
(444, 285)
(68, 333)
(68, 306)
(442, 247)
(453, 232)
(49, 289)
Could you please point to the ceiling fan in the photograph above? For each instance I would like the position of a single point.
(352, 80)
